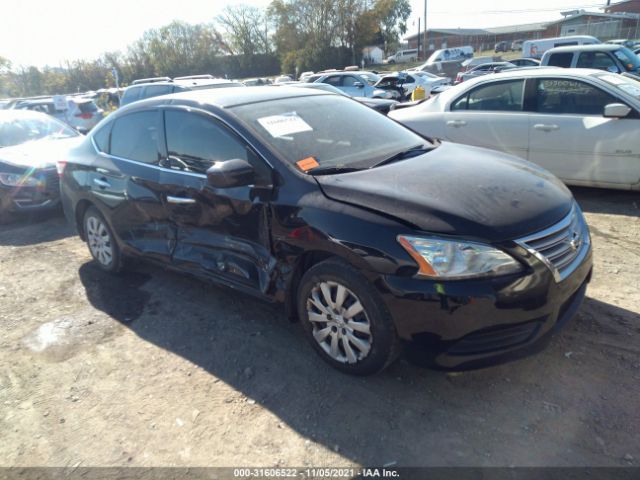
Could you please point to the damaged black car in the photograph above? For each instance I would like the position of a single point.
(376, 239)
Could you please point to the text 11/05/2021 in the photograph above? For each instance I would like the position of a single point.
(314, 473)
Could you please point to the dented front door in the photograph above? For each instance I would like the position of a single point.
(221, 233)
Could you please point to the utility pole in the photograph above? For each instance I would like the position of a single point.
(419, 37)
(426, 45)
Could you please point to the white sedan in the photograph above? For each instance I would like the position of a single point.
(582, 125)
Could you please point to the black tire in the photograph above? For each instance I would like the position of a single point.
(382, 338)
(95, 225)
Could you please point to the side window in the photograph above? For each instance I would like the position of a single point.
(131, 94)
(409, 79)
(571, 97)
(461, 103)
(155, 90)
(502, 97)
(101, 138)
(349, 81)
(335, 80)
(598, 60)
(199, 142)
(135, 137)
(560, 59)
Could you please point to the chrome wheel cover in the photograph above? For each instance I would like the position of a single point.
(340, 323)
(99, 241)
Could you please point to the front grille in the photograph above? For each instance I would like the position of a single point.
(561, 247)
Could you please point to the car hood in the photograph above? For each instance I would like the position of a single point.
(458, 190)
(38, 153)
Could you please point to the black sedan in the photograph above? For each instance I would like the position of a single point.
(31, 144)
(373, 237)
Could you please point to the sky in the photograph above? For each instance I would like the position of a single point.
(48, 32)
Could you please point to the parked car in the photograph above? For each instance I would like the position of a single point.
(450, 54)
(612, 58)
(375, 238)
(470, 63)
(382, 105)
(525, 62)
(483, 69)
(30, 145)
(502, 46)
(153, 87)
(516, 45)
(536, 48)
(305, 75)
(582, 125)
(79, 112)
(255, 82)
(283, 79)
(404, 83)
(352, 83)
(403, 56)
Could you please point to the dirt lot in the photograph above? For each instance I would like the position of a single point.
(153, 368)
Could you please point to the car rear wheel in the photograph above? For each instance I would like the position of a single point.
(345, 319)
(101, 241)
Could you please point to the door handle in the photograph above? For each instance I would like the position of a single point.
(101, 183)
(546, 128)
(456, 123)
(180, 200)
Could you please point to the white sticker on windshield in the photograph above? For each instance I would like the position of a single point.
(284, 124)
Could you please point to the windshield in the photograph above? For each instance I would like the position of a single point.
(370, 77)
(629, 59)
(326, 131)
(628, 85)
(14, 131)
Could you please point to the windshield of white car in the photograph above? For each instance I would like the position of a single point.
(627, 84)
(15, 131)
(326, 131)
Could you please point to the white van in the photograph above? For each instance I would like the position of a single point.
(402, 56)
(536, 48)
(447, 54)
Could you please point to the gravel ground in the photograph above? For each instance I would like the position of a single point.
(155, 369)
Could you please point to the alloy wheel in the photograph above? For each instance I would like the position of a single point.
(340, 323)
(99, 240)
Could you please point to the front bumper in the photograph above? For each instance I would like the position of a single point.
(460, 325)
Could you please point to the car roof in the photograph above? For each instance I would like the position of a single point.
(230, 97)
(140, 85)
(598, 47)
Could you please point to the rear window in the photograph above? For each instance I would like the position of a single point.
(156, 90)
(88, 107)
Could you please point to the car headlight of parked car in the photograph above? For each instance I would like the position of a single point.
(18, 180)
(448, 259)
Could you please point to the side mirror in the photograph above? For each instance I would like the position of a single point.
(358, 84)
(230, 173)
(82, 130)
(616, 110)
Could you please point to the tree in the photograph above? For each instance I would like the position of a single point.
(245, 30)
(392, 18)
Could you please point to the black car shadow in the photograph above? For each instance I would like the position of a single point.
(613, 202)
(19, 231)
(406, 414)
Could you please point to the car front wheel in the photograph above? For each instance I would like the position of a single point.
(345, 319)
(101, 242)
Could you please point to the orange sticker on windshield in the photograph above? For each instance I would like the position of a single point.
(307, 164)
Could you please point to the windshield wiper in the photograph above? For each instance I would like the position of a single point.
(411, 152)
(329, 170)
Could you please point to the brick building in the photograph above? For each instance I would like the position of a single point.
(604, 26)
(626, 6)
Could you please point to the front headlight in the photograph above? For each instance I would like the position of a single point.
(448, 259)
(17, 180)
